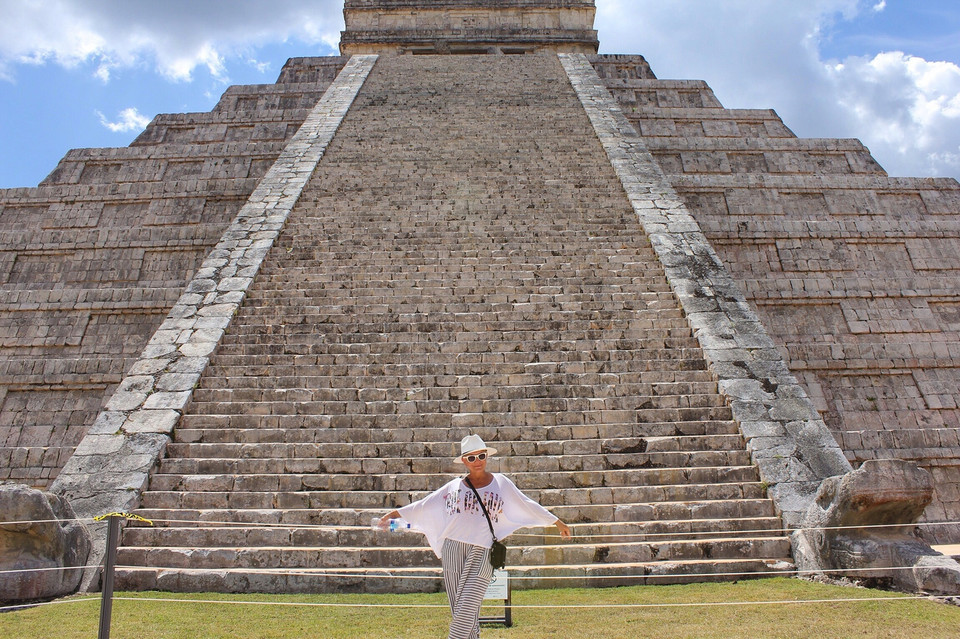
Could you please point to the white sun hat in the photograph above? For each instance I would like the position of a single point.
(472, 444)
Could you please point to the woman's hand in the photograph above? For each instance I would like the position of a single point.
(565, 532)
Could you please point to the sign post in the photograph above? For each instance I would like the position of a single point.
(500, 590)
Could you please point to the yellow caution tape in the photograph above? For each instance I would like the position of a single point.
(129, 516)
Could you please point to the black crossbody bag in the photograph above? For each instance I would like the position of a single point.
(498, 552)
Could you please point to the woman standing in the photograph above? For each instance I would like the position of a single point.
(457, 530)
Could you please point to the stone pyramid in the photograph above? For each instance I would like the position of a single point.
(263, 325)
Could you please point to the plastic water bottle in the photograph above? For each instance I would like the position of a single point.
(395, 525)
(398, 525)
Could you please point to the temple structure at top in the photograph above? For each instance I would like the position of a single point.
(468, 26)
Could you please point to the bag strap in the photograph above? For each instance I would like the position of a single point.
(485, 513)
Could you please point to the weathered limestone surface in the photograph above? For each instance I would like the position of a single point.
(859, 527)
(853, 273)
(39, 535)
(111, 465)
(468, 26)
(786, 438)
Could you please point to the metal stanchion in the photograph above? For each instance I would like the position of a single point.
(109, 561)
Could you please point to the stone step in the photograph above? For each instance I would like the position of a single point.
(638, 383)
(386, 556)
(329, 338)
(480, 257)
(360, 516)
(622, 396)
(172, 478)
(316, 280)
(177, 534)
(470, 412)
(542, 288)
(326, 498)
(339, 296)
(412, 580)
(424, 346)
(291, 329)
(323, 430)
(291, 318)
(249, 464)
(307, 458)
(575, 350)
(443, 363)
(474, 414)
(458, 363)
(528, 260)
(507, 450)
(367, 448)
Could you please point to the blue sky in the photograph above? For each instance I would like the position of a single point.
(91, 73)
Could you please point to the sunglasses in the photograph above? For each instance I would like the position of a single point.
(473, 458)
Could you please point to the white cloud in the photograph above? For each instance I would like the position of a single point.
(767, 54)
(910, 106)
(176, 36)
(880, 6)
(129, 120)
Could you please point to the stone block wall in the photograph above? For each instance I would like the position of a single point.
(93, 258)
(855, 274)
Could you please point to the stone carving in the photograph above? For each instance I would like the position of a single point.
(880, 497)
(54, 541)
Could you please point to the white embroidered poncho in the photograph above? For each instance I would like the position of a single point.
(452, 512)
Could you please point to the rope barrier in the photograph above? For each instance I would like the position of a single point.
(782, 531)
(45, 521)
(204, 523)
(625, 606)
(47, 603)
(53, 569)
(240, 524)
(383, 573)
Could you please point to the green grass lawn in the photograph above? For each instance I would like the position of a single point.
(135, 616)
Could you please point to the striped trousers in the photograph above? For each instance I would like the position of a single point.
(466, 575)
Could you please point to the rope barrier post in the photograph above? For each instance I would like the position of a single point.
(109, 562)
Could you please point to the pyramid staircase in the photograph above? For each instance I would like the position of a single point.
(464, 260)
